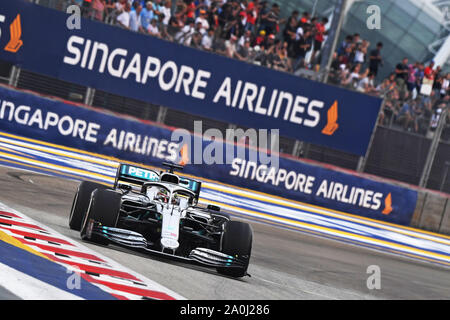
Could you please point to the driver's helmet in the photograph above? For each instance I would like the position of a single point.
(175, 199)
(163, 195)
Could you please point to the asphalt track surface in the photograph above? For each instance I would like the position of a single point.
(285, 264)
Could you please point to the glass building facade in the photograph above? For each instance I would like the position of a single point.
(414, 29)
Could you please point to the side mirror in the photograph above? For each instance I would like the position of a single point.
(125, 187)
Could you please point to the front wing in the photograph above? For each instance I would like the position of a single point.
(134, 240)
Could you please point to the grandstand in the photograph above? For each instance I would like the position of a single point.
(286, 36)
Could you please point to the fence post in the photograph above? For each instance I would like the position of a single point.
(433, 149)
(331, 43)
(89, 96)
(444, 178)
(161, 117)
(14, 76)
(363, 160)
(296, 149)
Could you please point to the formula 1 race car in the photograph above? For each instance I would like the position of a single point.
(159, 213)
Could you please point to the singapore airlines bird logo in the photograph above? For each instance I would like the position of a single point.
(332, 118)
(184, 155)
(387, 205)
(16, 33)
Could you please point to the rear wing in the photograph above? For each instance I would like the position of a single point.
(192, 185)
(135, 175)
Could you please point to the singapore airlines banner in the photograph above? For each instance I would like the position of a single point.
(56, 122)
(195, 82)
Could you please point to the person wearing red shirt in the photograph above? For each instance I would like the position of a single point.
(252, 15)
(190, 12)
(428, 72)
(320, 36)
(304, 19)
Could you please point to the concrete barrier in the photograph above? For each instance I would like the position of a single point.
(445, 224)
(432, 212)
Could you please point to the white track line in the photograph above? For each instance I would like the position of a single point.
(30, 288)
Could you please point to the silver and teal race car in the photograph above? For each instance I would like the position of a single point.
(158, 213)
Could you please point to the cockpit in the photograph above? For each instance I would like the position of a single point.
(177, 197)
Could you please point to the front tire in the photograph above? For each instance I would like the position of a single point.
(81, 202)
(104, 207)
(237, 242)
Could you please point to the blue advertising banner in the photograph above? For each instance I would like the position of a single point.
(193, 81)
(86, 129)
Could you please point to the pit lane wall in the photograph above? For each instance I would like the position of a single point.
(128, 139)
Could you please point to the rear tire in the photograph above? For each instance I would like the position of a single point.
(237, 242)
(104, 207)
(81, 202)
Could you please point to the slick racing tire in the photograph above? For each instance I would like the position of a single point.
(81, 202)
(237, 242)
(104, 207)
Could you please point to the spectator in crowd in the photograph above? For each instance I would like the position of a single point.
(251, 15)
(367, 84)
(375, 59)
(202, 19)
(411, 78)
(401, 71)
(357, 39)
(147, 15)
(429, 73)
(246, 36)
(135, 18)
(254, 31)
(110, 6)
(301, 48)
(305, 19)
(172, 28)
(86, 7)
(120, 6)
(290, 31)
(153, 29)
(319, 38)
(208, 40)
(157, 7)
(166, 10)
(123, 19)
(99, 9)
(405, 117)
(231, 47)
(348, 41)
(184, 36)
(361, 52)
(270, 19)
(445, 88)
(244, 50)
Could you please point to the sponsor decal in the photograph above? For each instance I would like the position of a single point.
(387, 205)
(139, 173)
(332, 117)
(59, 123)
(16, 33)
